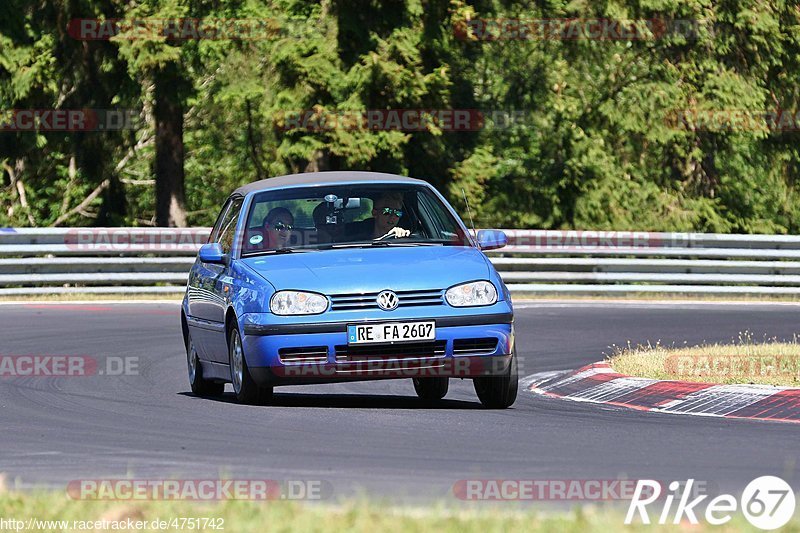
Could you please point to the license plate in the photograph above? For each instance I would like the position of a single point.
(391, 332)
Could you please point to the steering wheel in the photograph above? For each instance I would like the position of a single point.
(386, 236)
(391, 235)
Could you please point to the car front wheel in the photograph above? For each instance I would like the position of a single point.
(499, 392)
(246, 390)
(431, 389)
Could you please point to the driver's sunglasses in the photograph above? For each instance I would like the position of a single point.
(396, 212)
(280, 226)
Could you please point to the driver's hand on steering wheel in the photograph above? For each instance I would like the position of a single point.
(394, 233)
(398, 232)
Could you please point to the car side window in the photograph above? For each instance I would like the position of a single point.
(433, 215)
(227, 228)
(214, 235)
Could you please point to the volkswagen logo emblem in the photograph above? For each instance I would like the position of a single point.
(388, 300)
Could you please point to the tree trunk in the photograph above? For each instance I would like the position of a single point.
(168, 111)
(320, 161)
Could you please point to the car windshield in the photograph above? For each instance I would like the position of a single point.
(339, 216)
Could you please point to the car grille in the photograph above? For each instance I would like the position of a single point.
(304, 354)
(345, 353)
(344, 302)
(474, 346)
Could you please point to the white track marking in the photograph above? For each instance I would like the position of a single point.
(527, 381)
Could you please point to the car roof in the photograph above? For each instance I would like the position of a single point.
(324, 178)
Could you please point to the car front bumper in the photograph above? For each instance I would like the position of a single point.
(454, 353)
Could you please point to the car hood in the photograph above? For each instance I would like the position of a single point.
(356, 270)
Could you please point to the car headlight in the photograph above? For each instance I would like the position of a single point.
(471, 294)
(297, 303)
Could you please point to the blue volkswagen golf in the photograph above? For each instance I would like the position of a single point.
(342, 276)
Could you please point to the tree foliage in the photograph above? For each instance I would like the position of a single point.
(598, 146)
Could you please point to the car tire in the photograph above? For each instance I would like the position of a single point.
(431, 389)
(246, 390)
(200, 386)
(499, 392)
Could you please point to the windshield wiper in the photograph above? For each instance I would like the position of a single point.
(279, 251)
(406, 243)
(377, 244)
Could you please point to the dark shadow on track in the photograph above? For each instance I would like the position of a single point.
(349, 401)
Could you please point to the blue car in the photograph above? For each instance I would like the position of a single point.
(341, 276)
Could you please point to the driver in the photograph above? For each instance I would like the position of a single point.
(387, 211)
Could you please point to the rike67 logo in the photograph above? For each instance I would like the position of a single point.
(768, 502)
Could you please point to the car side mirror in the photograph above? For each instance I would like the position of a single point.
(212, 253)
(491, 239)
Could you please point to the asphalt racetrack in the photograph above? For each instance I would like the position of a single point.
(372, 438)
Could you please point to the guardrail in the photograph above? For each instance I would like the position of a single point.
(157, 260)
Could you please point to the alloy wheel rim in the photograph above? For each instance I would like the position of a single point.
(191, 361)
(237, 356)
